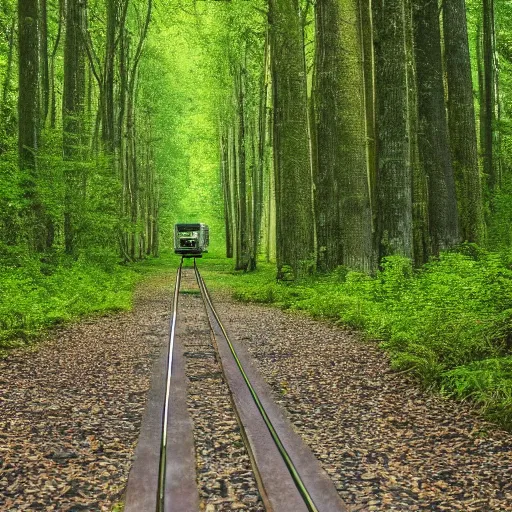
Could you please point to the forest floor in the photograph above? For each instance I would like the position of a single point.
(71, 407)
(387, 444)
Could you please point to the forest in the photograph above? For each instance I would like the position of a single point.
(353, 159)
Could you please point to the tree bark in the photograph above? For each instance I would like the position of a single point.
(226, 188)
(461, 117)
(434, 144)
(344, 223)
(28, 120)
(45, 74)
(294, 205)
(73, 113)
(8, 115)
(421, 234)
(242, 254)
(107, 100)
(394, 176)
(53, 56)
(488, 99)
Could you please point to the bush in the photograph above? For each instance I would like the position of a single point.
(54, 290)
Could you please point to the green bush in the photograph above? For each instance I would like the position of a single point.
(53, 290)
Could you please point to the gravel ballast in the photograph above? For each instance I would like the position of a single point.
(225, 477)
(386, 444)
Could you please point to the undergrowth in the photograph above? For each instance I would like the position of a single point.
(39, 293)
(449, 324)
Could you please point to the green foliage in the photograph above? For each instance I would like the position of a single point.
(488, 383)
(36, 294)
(449, 324)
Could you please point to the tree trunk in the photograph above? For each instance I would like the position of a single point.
(242, 254)
(226, 188)
(45, 74)
(259, 167)
(488, 99)
(28, 120)
(461, 117)
(434, 144)
(73, 113)
(294, 211)
(394, 177)
(421, 235)
(53, 56)
(7, 113)
(344, 224)
(370, 99)
(107, 100)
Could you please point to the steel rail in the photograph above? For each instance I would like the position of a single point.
(301, 487)
(165, 413)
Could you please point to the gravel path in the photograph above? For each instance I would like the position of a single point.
(386, 444)
(70, 408)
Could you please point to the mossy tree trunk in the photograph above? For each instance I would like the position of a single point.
(343, 213)
(394, 176)
(433, 141)
(73, 114)
(242, 224)
(461, 117)
(292, 164)
(29, 121)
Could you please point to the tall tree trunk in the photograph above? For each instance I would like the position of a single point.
(394, 176)
(242, 235)
(344, 225)
(370, 99)
(421, 234)
(53, 56)
(73, 114)
(7, 114)
(226, 188)
(461, 117)
(259, 167)
(434, 144)
(342, 133)
(295, 233)
(45, 74)
(28, 119)
(128, 151)
(107, 94)
(488, 99)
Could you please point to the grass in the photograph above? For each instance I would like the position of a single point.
(448, 324)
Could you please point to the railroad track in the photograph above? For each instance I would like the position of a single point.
(163, 476)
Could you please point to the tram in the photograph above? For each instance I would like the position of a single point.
(191, 240)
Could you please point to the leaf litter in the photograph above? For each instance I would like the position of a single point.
(386, 443)
(71, 408)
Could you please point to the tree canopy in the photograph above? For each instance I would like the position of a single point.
(312, 135)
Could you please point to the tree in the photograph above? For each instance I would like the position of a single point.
(489, 101)
(344, 224)
(242, 218)
(28, 120)
(294, 204)
(394, 177)
(73, 113)
(433, 141)
(461, 117)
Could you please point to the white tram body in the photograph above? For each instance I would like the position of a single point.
(191, 240)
